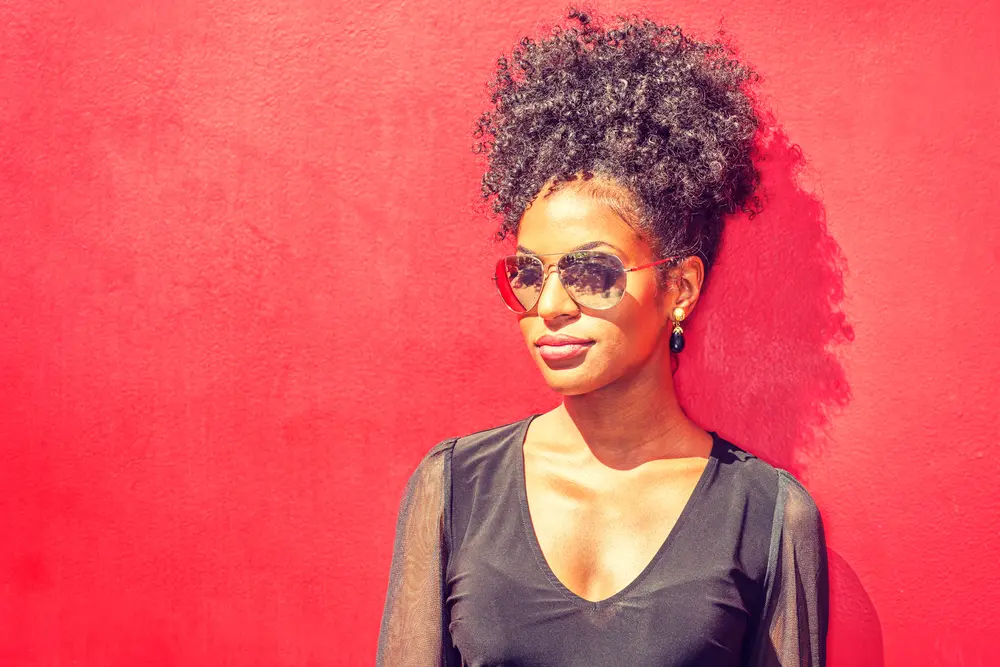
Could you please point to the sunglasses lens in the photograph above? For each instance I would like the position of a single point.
(594, 279)
(519, 279)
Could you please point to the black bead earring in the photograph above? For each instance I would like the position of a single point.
(677, 337)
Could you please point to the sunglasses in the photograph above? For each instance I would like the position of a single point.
(593, 279)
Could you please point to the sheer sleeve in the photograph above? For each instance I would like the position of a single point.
(414, 629)
(792, 630)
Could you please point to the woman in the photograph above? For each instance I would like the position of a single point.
(611, 530)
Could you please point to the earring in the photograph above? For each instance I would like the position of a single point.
(677, 337)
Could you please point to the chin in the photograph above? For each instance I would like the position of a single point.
(569, 390)
(570, 381)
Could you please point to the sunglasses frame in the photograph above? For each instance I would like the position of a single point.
(503, 260)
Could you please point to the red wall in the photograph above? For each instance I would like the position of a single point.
(244, 286)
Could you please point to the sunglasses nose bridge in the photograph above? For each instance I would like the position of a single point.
(547, 271)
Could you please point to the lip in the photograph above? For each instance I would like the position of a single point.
(560, 340)
(560, 352)
(557, 348)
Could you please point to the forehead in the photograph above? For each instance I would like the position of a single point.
(568, 218)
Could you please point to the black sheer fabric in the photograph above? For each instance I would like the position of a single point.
(740, 581)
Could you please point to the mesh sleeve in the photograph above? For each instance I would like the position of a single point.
(414, 631)
(792, 631)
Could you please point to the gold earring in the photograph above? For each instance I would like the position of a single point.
(677, 337)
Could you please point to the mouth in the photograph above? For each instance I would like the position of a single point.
(563, 350)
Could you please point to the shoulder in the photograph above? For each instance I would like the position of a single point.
(763, 482)
(479, 444)
(490, 446)
(436, 454)
(431, 474)
(746, 474)
(492, 434)
(798, 510)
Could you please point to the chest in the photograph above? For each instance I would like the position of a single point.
(598, 531)
(661, 573)
(687, 608)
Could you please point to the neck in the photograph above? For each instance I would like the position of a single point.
(634, 419)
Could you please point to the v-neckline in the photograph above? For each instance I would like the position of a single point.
(536, 547)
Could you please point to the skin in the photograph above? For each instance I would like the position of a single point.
(609, 470)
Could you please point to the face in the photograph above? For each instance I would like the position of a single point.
(625, 338)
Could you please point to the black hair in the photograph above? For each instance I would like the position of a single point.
(668, 121)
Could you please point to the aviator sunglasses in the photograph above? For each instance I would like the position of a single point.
(593, 279)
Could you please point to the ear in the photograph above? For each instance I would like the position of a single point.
(686, 279)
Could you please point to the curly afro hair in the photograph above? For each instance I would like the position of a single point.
(667, 124)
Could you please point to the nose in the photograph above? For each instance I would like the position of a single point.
(554, 299)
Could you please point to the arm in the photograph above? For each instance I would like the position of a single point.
(414, 628)
(792, 630)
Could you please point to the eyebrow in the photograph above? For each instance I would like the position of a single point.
(585, 246)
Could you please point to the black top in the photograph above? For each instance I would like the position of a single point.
(741, 579)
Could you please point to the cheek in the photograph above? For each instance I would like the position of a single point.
(636, 328)
(524, 324)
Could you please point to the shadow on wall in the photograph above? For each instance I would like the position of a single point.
(757, 367)
(855, 638)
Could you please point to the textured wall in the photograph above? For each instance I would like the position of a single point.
(244, 286)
